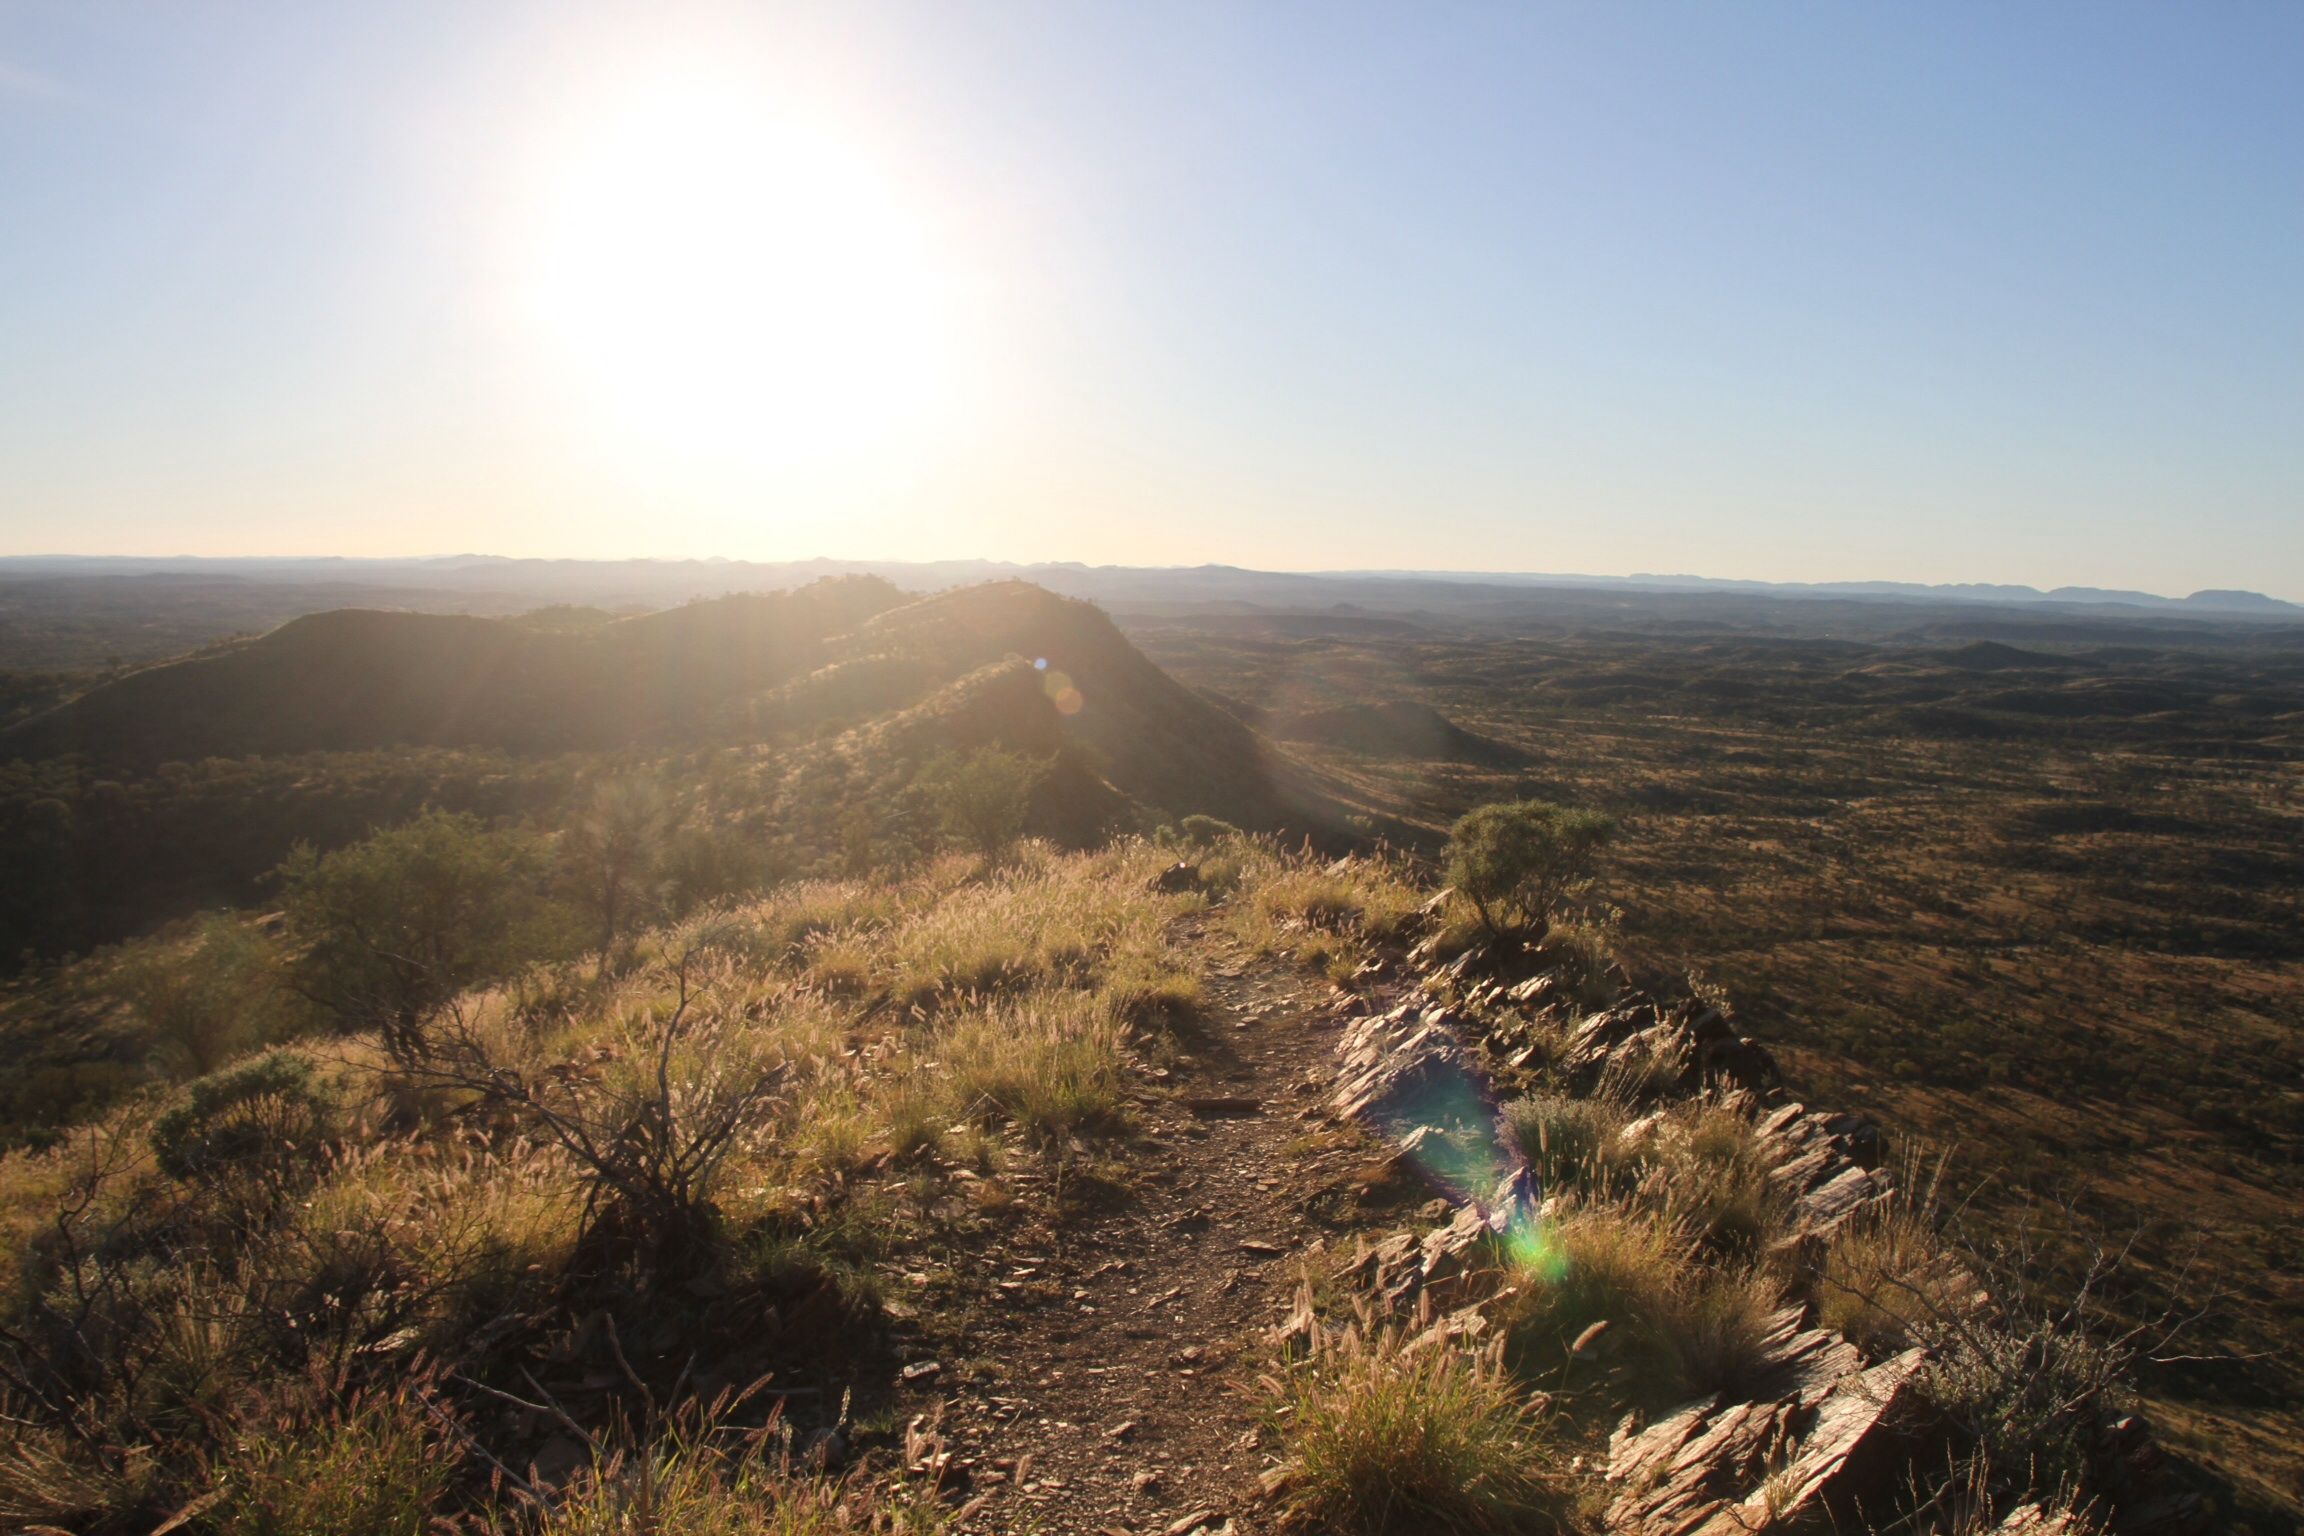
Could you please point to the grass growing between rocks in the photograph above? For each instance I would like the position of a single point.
(1614, 1306)
(1388, 1438)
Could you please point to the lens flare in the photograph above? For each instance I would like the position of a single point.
(1445, 1121)
(1058, 686)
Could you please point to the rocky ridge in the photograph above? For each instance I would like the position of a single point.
(1821, 1434)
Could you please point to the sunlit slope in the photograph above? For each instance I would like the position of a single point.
(849, 666)
(357, 679)
(1038, 671)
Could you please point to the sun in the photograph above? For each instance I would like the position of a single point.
(736, 283)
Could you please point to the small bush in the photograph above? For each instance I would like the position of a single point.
(393, 928)
(2027, 1396)
(610, 852)
(686, 1070)
(1392, 1441)
(267, 1112)
(207, 995)
(1521, 860)
(1207, 832)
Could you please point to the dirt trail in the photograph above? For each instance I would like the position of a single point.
(1108, 1383)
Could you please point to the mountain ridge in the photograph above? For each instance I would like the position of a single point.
(712, 575)
(1002, 664)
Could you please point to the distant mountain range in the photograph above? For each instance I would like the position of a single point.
(2210, 600)
(657, 582)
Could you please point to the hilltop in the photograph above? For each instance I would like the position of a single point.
(356, 679)
(1394, 728)
(89, 613)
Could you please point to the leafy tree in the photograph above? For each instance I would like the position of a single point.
(702, 864)
(207, 994)
(1523, 858)
(392, 928)
(983, 797)
(610, 851)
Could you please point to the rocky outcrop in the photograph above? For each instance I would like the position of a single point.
(1829, 1163)
(1816, 1436)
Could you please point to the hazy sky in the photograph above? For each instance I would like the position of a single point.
(1942, 292)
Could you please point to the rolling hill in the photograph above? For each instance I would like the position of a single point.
(359, 679)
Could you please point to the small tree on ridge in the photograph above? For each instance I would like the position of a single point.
(1524, 858)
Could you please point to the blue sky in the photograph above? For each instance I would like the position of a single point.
(1929, 293)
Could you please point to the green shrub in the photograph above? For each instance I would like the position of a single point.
(610, 851)
(265, 1111)
(394, 927)
(983, 798)
(206, 995)
(2026, 1396)
(1206, 831)
(1522, 859)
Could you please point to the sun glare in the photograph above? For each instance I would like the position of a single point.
(739, 286)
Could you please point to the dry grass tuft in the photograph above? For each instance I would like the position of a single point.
(365, 1466)
(1388, 1440)
(1712, 1179)
(1675, 1327)
(1569, 1143)
(700, 1477)
(1329, 916)
(1048, 1065)
(1888, 1278)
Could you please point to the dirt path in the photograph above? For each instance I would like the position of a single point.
(1107, 1381)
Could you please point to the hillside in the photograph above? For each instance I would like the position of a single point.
(2040, 903)
(359, 679)
(843, 650)
(1155, 740)
(1038, 1194)
(181, 785)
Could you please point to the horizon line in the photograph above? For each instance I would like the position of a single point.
(2015, 589)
